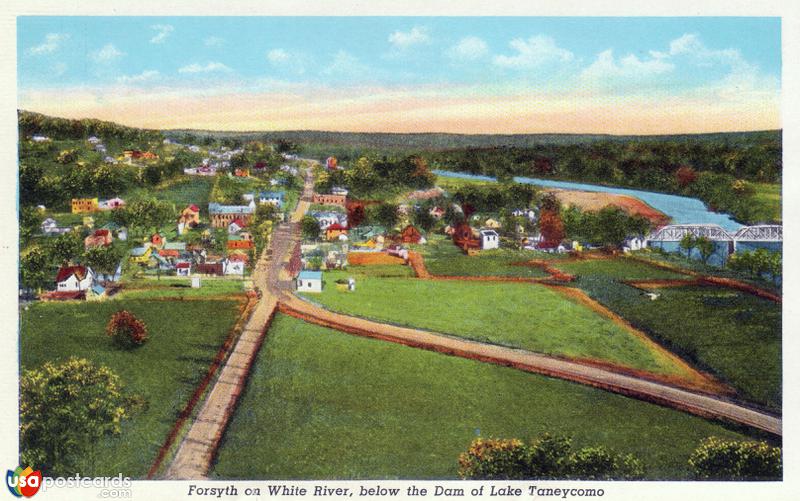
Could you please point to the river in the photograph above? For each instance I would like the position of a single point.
(682, 210)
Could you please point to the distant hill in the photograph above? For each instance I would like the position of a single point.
(442, 141)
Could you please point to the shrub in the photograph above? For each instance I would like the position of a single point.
(494, 459)
(126, 330)
(547, 457)
(718, 459)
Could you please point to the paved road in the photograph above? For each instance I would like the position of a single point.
(196, 451)
(696, 403)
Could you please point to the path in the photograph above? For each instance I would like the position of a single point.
(694, 402)
(196, 451)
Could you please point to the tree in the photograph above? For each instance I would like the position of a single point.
(685, 176)
(494, 459)
(309, 227)
(706, 248)
(422, 218)
(147, 214)
(66, 247)
(33, 268)
(612, 226)
(720, 459)
(65, 409)
(688, 243)
(104, 259)
(126, 330)
(552, 229)
(385, 214)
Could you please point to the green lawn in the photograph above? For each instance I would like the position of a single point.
(444, 258)
(735, 335)
(181, 191)
(617, 269)
(179, 287)
(520, 315)
(322, 404)
(184, 337)
(767, 202)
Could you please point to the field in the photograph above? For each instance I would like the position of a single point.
(594, 201)
(181, 191)
(444, 258)
(325, 405)
(617, 269)
(184, 337)
(520, 315)
(767, 202)
(179, 288)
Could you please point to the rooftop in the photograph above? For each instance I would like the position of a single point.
(310, 275)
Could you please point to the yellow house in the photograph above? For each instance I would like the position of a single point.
(141, 255)
(84, 205)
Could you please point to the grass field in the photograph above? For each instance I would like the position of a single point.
(735, 335)
(184, 337)
(617, 269)
(520, 315)
(444, 258)
(767, 202)
(175, 287)
(181, 191)
(325, 405)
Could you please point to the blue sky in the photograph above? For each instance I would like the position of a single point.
(75, 65)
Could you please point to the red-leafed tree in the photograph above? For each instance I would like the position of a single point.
(551, 228)
(126, 330)
(685, 176)
(355, 214)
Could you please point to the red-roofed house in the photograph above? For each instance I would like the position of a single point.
(183, 269)
(74, 278)
(100, 238)
(236, 226)
(410, 235)
(333, 231)
(157, 240)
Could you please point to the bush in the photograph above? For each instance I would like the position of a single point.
(548, 457)
(495, 459)
(126, 330)
(718, 459)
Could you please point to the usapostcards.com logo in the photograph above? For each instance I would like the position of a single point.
(23, 482)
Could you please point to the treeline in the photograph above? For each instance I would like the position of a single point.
(31, 123)
(368, 176)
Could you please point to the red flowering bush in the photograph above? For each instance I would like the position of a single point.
(126, 330)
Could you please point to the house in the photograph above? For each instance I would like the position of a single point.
(209, 268)
(74, 278)
(309, 281)
(100, 238)
(329, 199)
(51, 228)
(241, 172)
(141, 255)
(528, 213)
(122, 234)
(236, 226)
(436, 212)
(489, 239)
(96, 293)
(111, 204)
(222, 215)
(491, 224)
(275, 198)
(80, 205)
(157, 240)
(633, 244)
(410, 235)
(333, 231)
(233, 267)
(40, 139)
(183, 269)
(326, 219)
(338, 190)
(239, 242)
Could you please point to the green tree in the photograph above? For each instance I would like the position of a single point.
(494, 459)
(64, 410)
(34, 268)
(104, 259)
(720, 459)
(688, 243)
(66, 247)
(309, 227)
(384, 214)
(422, 218)
(706, 248)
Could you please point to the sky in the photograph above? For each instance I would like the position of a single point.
(406, 74)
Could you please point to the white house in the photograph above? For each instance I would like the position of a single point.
(50, 227)
(528, 213)
(326, 219)
(271, 197)
(489, 239)
(233, 267)
(309, 281)
(40, 139)
(633, 244)
(74, 278)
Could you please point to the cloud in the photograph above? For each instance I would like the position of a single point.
(214, 42)
(468, 49)
(162, 32)
(534, 52)
(346, 66)
(107, 54)
(278, 56)
(631, 68)
(404, 39)
(52, 42)
(145, 76)
(209, 67)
